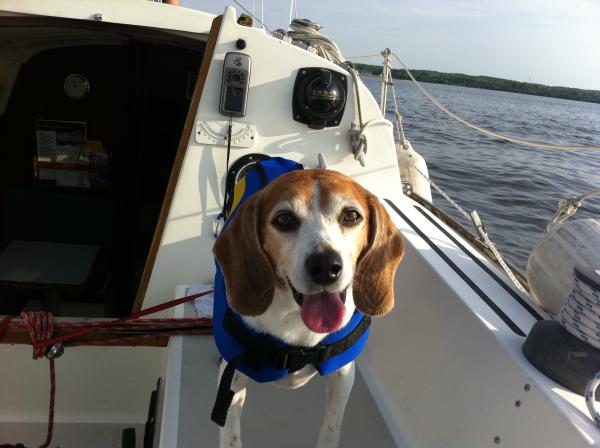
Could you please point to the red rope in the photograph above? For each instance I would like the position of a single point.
(40, 325)
(50, 430)
(145, 328)
(108, 324)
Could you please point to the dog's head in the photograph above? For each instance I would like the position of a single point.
(321, 240)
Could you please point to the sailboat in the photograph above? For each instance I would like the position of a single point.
(120, 125)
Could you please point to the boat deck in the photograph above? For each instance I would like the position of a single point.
(292, 418)
(272, 416)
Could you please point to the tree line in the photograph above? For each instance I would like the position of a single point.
(487, 82)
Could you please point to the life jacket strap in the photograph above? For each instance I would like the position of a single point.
(260, 350)
(224, 394)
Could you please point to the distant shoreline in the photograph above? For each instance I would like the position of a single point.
(488, 83)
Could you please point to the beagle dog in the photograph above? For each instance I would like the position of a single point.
(298, 258)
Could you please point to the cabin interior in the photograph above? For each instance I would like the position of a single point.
(90, 120)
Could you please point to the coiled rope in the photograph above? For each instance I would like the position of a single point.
(303, 31)
(580, 316)
(481, 129)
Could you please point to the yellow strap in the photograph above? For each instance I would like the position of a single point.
(238, 194)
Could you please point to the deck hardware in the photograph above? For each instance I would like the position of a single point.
(322, 161)
(214, 132)
(55, 351)
(518, 403)
(240, 44)
(497, 440)
(98, 17)
(319, 97)
(527, 387)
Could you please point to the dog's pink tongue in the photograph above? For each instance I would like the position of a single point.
(323, 312)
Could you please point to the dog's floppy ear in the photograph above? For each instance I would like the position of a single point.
(373, 287)
(249, 276)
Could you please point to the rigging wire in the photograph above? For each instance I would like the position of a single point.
(252, 15)
(476, 127)
(291, 12)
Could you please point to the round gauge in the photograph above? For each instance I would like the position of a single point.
(76, 86)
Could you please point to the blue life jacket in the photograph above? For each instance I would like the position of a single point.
(263, 357)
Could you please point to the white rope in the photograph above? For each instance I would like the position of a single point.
(355, 77)
(365, 56)
(487, 131)
(310, 35)
(476, 220)
(397, 115)
(580, 316)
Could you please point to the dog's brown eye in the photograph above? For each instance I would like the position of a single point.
(350, 216)
(285, 221)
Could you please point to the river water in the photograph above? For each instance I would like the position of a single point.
(515, 189)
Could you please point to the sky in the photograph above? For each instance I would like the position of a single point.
(552, 42)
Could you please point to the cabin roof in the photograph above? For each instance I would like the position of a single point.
(131, 12)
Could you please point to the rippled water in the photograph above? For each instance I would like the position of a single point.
(515, 189)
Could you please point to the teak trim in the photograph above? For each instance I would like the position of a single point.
(21, 336)
(177, 163)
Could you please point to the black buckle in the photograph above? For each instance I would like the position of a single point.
(296, 358)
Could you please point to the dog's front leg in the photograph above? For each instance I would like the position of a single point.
(230, 434)
(337, 392)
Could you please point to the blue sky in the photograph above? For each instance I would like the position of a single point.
(554, 42)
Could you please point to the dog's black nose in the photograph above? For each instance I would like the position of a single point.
(324, 267)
